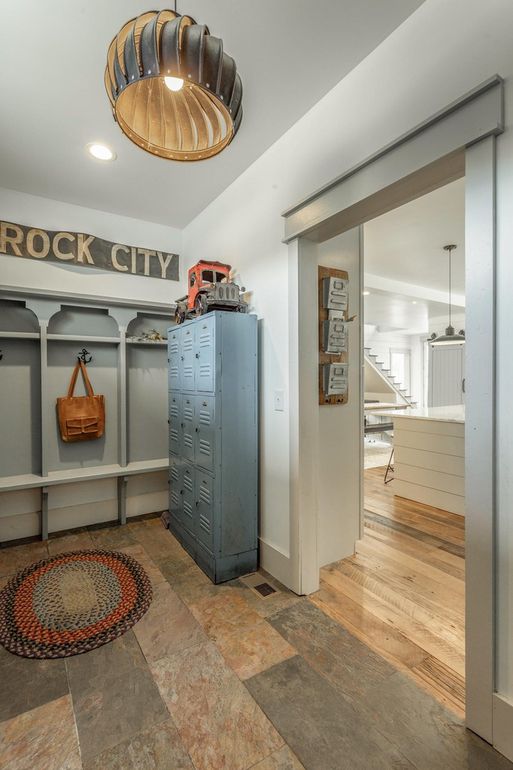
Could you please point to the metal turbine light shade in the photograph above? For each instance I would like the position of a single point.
(199, 112)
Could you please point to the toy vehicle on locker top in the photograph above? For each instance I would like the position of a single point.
(209, 288)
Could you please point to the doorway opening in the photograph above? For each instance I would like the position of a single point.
(410, 557)
(457, 142)
(402, 590)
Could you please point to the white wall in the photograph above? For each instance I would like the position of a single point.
(55, 215)
(244, 227)
(340, 426)
(403, 82)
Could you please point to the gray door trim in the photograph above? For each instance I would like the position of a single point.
(460, 139)
(480, 436)
(475, 116)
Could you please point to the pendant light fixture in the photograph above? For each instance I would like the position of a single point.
(173, 90)
(450, 337)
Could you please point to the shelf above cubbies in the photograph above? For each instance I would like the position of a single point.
(19, 335)
(149, 343)
(82, 338)
(73, 475)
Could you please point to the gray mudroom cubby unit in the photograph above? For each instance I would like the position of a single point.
(213, 442)
(45, 483)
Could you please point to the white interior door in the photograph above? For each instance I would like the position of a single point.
(446, 375)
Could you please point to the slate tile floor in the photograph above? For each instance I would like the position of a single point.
(219, 678)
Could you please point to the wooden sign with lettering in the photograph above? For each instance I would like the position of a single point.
(86, 251)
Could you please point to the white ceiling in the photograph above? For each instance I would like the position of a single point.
(399, 313)
(404, 248)
(407, 243)
(52, 57)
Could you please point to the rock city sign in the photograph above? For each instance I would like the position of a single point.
(85, 250)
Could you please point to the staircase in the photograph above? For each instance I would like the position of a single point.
(379, 368)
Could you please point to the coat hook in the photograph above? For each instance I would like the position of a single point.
(85, 356)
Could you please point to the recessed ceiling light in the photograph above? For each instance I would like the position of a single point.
(365, 293)
(414, 302)
(101, 151)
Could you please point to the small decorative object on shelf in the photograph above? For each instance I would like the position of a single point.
(210, 287)
(152, 335)
(333, 335)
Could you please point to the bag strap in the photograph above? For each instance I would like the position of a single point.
(80, 365)
(87, 381)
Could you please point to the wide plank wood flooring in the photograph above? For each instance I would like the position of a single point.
(403, 592)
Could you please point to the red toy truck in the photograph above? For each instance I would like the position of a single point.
(209, 288)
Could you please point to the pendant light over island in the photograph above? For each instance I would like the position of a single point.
(450, 337)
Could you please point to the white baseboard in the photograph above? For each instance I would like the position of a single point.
(276, 562)
(503, 725)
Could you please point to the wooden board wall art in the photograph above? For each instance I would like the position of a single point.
(82, 250)
(333, 303)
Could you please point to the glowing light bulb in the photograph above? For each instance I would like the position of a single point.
(174, 84)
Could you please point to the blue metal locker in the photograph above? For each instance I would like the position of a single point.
(213, 441)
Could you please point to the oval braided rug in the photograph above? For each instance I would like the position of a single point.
(72, 603)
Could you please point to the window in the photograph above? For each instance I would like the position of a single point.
(400, 367)
(208, 276)
(221, 277)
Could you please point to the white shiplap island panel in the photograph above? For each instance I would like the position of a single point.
(429, 463)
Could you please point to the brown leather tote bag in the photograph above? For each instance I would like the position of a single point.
(81, 418)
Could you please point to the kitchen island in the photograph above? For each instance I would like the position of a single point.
(429, 455)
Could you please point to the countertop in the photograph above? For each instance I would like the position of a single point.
(440, 413)
(372, 406)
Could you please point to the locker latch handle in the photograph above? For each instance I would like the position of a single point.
(197, 355)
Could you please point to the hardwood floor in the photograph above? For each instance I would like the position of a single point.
(403, 592)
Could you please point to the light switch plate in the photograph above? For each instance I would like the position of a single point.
(279, 400)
